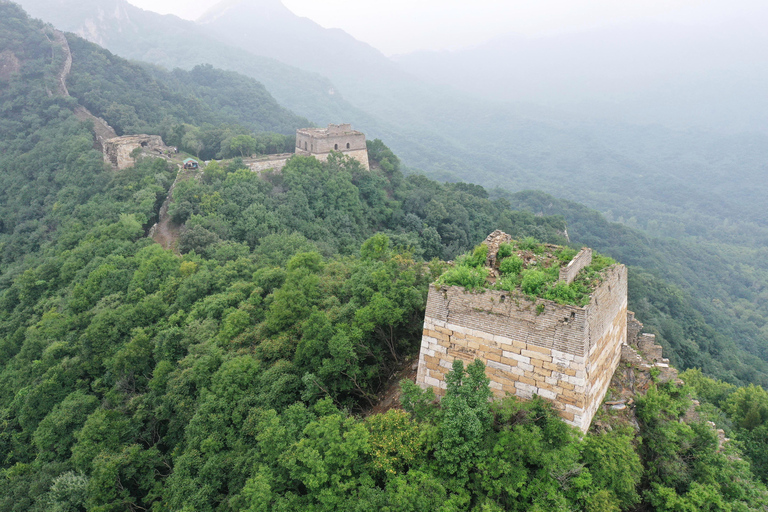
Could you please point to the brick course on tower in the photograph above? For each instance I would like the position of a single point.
(563, 353)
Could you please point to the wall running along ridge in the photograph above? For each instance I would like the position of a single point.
(565, 354)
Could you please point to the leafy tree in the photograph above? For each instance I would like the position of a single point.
(243, 144)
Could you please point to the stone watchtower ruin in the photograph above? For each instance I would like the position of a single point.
(564, 353)
(319, 142)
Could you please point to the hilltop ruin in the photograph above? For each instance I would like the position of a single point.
(531, 346)
(318, 143)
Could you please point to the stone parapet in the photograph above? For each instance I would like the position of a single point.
(581, 260)
(269, 162)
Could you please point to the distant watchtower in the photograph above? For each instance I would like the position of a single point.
(319, 142)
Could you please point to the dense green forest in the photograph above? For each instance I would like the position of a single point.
(691, 201)
(239, 372)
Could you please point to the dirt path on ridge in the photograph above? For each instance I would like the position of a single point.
(165, 232)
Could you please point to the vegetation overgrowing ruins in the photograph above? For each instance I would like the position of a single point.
(529, 267)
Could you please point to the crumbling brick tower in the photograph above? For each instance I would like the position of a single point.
(319, 142)
(566, 354)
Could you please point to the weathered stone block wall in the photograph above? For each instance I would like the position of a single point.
(117, 151)
(274, 162)
(563, 353)
(323, 141)
(359, 155)
(607, 320)
(581, 260)
(319, 142)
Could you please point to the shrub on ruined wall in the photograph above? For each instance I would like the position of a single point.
(468, 277)
(530, 267)
(511, 265)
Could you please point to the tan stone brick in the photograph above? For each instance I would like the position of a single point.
(518, 344)
(493, 350)
(461, 355)
(473, 345)
(443, 330)
(551, 366)
(566, 415)
(536, 355)
(556, 389)
(434, 368)
(507, 361)
(542, 372)
(437, 374)
(440, 336)
(558, 406)
(493, 357)
(542, 350)
(566, 385)
(526, 380)
(482, 341)
(432, 360)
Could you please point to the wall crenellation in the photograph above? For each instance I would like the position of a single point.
(581, 260)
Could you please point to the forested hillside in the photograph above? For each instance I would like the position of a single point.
(699, 188)
(705, 301)
(239, 371)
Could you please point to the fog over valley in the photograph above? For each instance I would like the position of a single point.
(353, 255)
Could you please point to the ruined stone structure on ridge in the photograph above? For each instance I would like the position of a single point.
(319, 142)
(564, 353)
(117, 150)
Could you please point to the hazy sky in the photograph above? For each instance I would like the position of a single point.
(400, 26)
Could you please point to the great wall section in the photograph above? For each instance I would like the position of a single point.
(101, 129)
(568, 355)
(563, 353)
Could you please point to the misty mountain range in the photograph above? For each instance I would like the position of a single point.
(547, 113)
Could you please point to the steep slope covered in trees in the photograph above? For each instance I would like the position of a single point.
(229, 377)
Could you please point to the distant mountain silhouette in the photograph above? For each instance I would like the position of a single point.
(682, 76)
(171, 42)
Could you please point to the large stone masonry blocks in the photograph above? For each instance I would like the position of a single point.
(566, 354)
